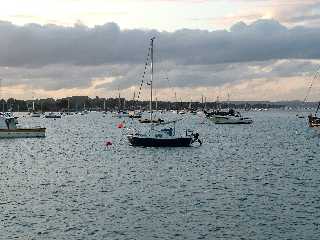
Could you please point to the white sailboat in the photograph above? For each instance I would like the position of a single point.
(34, 113)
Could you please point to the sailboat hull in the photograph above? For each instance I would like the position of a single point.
(160, 142)
(23, 133)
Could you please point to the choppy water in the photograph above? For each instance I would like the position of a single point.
(246, 182)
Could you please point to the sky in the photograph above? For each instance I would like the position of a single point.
(249, 50)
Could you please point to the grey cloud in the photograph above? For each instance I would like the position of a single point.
(58, 76)
(181, 76)
(54, 57)
(35, 45)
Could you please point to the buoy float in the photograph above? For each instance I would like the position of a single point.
(108, 143)
(120, 125)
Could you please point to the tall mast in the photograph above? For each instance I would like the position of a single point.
(119, 107)
(1, 95)
(152, 40)
(202, 102)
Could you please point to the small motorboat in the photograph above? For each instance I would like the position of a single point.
(53, 115)
(231, 120)
(9, 129)
(227, 117)
(314, 121)
(121, 114)
(35, 114)
(154, 120)
(135, 114)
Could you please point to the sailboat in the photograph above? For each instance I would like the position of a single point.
(121, 113)
(162, 137)
(134, 113)
(34, 113)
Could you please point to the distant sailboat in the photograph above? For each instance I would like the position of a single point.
(135, 113)
(121, 113)
(34, 113)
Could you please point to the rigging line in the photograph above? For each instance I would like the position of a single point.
(172, 89)
(315, 77)
(144, 72)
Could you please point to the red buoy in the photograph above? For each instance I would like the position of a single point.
(120, 125)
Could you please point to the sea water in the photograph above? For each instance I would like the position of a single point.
(259, 181)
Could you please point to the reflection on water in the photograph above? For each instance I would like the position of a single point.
(245, 182)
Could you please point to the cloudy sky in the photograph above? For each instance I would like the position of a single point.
(250, 49)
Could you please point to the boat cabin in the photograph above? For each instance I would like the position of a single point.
(7, 121)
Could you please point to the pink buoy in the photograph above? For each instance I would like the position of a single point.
(120, 125)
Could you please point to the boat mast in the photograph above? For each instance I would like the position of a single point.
(202, 102)
(119, 101)
(1, 95)
(152, 40)
(318, 107)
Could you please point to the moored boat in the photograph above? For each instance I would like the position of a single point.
(135, 114)
(53, 115)
(9, 129)
(314, 121)
(35, 114)
(148, 120)
(227, 117)
(162, 137)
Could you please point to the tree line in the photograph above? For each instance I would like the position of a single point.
(80, 103)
